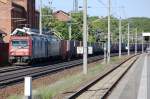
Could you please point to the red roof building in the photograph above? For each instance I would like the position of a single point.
(61, 15)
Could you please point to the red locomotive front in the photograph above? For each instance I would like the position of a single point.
(20, 49)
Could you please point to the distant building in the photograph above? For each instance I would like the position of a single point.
(17, 14)
(61, 15)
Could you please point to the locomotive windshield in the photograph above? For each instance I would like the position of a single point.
(19, 43)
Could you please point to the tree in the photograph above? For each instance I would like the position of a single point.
(47, 17)
(77, 25)
(97, 27)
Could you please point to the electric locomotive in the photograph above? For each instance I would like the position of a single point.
(29, 46)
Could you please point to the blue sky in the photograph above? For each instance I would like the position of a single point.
(123, 8)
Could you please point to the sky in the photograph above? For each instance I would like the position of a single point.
(119, 8)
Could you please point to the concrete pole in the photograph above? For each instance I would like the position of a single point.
(128, 39)
(70, 27)
(120, 38)
(136, 42)
(108, 45)
(85, 37)
(88, 34)
(28, 88)
(70, 31)
(40, 25)
(105, 52)
(75, 5)
(142, 44)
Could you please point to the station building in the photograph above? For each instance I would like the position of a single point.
(17, 14)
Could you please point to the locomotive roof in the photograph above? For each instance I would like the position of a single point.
(32, 32)
(27, 31)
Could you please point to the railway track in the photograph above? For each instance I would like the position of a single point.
(19, 67)
(15, 76)
(15, 68)
(12, 68)
(101, 86)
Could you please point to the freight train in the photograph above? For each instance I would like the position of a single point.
(27, 46)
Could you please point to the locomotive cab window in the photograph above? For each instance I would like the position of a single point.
(20, 43)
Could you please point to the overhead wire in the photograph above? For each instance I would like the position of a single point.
(100, 1)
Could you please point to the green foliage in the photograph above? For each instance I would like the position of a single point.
(47, 17)
(142, 23)
(15, 97)
(60, 27)
(77, 24)
(96, 26)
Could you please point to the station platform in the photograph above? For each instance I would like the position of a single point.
(136, 83)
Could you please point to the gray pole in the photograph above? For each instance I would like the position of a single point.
(108, 49)
(105, 52)
(120, 36)
(136, 42)
(128, 39)
(75, 5)
(85, 36)
(40, 25)
(88, 33)
(142, 44)
(70, 27)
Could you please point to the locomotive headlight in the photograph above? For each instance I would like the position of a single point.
(12, 53)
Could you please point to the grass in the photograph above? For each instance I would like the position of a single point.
(15, 97)
(67, 82)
